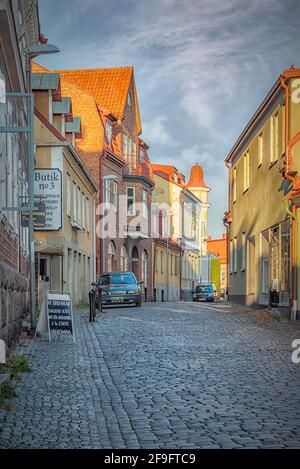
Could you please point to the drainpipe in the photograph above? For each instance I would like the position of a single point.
(227, 230)
(292, 213)
(154, 267)
(294, 254)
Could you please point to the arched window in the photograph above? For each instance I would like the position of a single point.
(111, 252)
(144, 267)
(123, 259)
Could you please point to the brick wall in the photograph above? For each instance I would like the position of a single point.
(9, 248)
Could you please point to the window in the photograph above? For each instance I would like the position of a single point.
(243, 266)
(108, 131)
(235, 255)
(124, 145)
(171, 264)
(260, 149)
(87, 214)
(123, 259)
(231, 257)
(145, 268)
(106, 190)
(74, 201)
(129, 150)
(79, 205)
(246, 171)
(129, 100)
(145, 201)
(156, 261)
(234, 185)
(162, 262)
(274, 149)
(111, 252)
(83, 210)
(130, 201)
(264, 264)
(68, 195)
(176, 264)
(115, 194)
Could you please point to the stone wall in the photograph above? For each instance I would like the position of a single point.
(13, 304)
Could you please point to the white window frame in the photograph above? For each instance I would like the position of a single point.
(246, 170)
(274, 138)
(83, 210)
(234, 182)
(79, 206)
(132, 211)
(235, 259)
(115, 194)
(244, 251)
(106, 191)
(68, 195)
(108, 131)
(74, 201)
(145, 203)
(260, 149)
(87, 202)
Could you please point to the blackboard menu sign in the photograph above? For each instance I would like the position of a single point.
(60, 315)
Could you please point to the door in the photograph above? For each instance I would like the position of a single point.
(274, 265)
(44, 277)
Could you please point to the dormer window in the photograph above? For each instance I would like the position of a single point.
(108, 132)
(129, 101)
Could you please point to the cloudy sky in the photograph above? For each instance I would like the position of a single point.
(201, 67)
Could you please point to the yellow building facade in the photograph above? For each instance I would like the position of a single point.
(184, 213)
(65, 246)
(263, 212)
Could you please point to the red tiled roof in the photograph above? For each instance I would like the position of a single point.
(108, 86)
(169, 173)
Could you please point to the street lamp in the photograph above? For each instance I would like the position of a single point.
(30, 53)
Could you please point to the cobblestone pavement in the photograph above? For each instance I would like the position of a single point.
(170, 375)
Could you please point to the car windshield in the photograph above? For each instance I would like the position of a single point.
(117, 279)
(204, 289)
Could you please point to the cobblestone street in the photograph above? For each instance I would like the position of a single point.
(170, 375)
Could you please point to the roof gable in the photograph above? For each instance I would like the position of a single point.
(108, 86)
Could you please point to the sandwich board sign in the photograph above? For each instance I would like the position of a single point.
(56, 315)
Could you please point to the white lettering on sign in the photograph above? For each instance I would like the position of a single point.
(296, 92)
(48, 189)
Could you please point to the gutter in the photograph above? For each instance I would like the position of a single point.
(294, 256)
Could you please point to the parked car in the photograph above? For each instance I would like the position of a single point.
(205, 292)
(117, 288)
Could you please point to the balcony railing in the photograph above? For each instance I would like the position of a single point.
(138, 168)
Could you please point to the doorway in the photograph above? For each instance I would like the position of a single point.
(44, 277)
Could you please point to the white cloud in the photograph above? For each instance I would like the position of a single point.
(201, 66)
(155, 131)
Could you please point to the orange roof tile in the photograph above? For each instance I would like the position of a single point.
(196, 177)
(108, 86)
(38, 68)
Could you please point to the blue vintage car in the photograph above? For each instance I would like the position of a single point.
(115, 288)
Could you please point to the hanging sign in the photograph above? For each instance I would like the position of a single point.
(48, 187)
